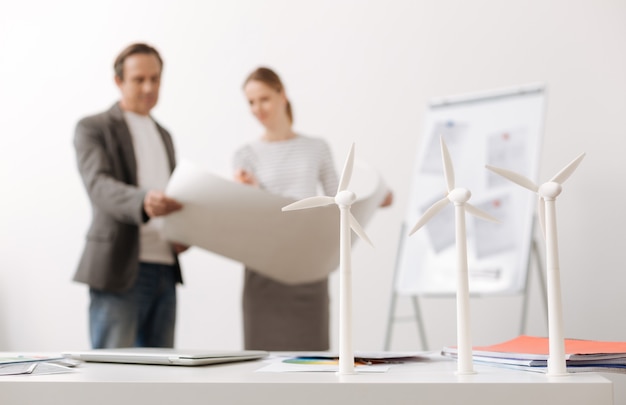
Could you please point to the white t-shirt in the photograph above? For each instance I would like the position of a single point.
(153, 173)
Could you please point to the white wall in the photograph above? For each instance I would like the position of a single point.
(356, 70)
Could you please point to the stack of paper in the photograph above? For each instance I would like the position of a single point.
(531, 353)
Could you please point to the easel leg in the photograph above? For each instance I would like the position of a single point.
(542, 283)
(420, 322)
(394, 298)
(390, 320)
(542, 278)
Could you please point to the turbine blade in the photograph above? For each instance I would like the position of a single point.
(356, 227)
(479, 213)
(541, 213)
(431, 212)
(346, 174)
(448, 169)
(567, 171)
(515, 178)
(311, 202)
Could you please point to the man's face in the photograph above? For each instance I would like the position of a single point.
(140, 86)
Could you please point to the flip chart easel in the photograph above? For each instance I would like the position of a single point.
(502, 128)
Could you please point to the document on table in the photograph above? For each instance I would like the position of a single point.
(364, 362)
(286, 367)
(281, 364)
(248, 225)
(38, 368)
(34, 365)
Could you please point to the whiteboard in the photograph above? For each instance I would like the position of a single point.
(502, 128)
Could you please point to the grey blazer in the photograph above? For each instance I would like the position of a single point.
(106, 162)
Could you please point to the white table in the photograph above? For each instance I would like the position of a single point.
(428, 382)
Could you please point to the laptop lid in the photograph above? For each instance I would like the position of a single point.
(164, 356)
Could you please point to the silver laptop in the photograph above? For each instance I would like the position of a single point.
(163, 356)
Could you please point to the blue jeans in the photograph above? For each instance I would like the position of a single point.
(143, 316)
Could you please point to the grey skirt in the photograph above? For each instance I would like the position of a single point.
(282, 317)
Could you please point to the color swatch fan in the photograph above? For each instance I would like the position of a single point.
(547, 194)
(459, 197)
(344, 200)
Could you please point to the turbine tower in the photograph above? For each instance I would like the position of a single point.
(459, 197)
(547, 194)
(344, 199)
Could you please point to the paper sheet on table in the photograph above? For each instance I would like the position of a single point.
(281, 367)
(246, 224)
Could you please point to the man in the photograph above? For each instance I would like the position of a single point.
(125, 158)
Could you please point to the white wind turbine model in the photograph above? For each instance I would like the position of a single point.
(459, 197)
(547, 194)
(344, 199)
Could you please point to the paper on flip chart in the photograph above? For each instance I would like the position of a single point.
(246, 224)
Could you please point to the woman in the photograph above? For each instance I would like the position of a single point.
(277, 316)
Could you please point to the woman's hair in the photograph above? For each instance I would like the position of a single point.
(271, 79)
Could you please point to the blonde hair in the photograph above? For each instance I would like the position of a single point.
(270, 78)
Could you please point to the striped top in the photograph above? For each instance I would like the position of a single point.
(292, 168)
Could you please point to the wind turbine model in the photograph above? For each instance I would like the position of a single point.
(459, 197)
(344, 199)
(547, 194)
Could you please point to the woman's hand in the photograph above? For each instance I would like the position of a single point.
(388, 200)
(244, 177)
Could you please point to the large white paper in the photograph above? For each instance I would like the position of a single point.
(246, 224)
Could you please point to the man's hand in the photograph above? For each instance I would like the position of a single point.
(157, 204)
(179, 248)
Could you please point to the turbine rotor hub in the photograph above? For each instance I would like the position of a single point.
(459, 195)
(550, 190)
(345, 198)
